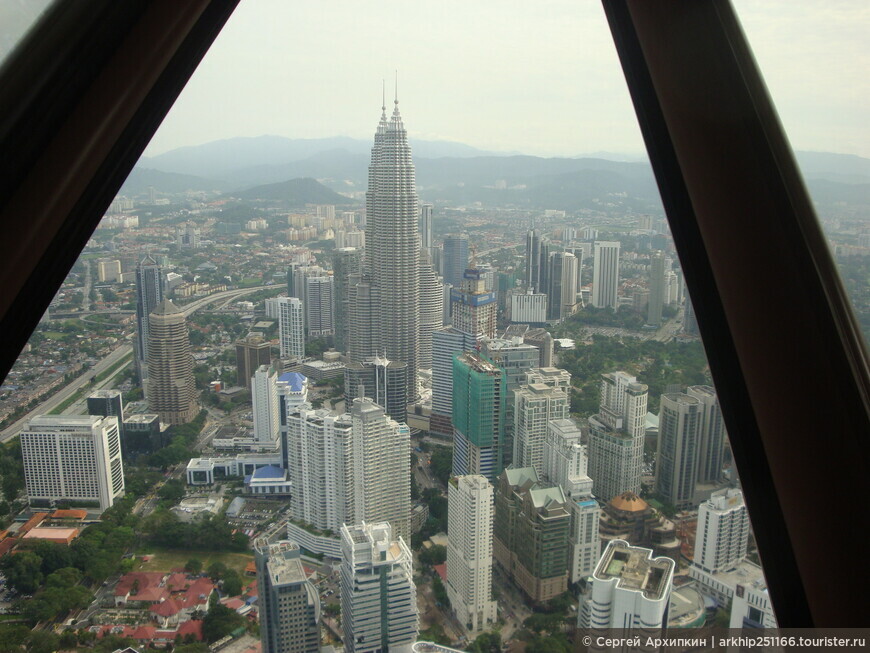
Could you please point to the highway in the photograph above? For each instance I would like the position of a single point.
(67, 391)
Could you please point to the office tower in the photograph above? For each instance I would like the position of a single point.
(605, 274)
(473, 309)
(690, 321)
(289, 603)
(108, 271)
(74, 459)
(533, 262)
(629, 590)
(393, 249)
(378, 596)
(291, 281)
(171, 388)
(363, 313)
(385, 381)
(107, 403)
(149, 293)
(570, 283)
(616, 436)
(264, 396)
(426, 211)
(712, 436)
(319, 305)
(446, 343)
(530, 308)
(431, 309)
(381, 453)
(656, 288)
(479, 398)
(317, 447)
(455, 259)
(565, 465)
(187, 235)
(723, 531)
(542, 397)
(291, 327)
(251, 352)
(543, 340)
(346, 261)
(562, 285)
(531, 533)
(469, 551)
(680, 417)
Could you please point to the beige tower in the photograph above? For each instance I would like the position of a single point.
(171, 389)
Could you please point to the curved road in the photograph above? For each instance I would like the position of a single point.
(68, 390)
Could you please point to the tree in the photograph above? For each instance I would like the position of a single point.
(232, 583)
(219, 622)
(40, 641)
(172, 490)
(193, 566)
(23, 571)
(442, 463)
(217, 570)
(434, 555)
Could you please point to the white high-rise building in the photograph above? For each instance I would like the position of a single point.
(723, 531)
(73, 458)
(712, 437)
(378, 596)
(317, 446)
(629, 590)
(605, 274)
(272, 306)
(431, 308)
(319, 304)
(616, 436)
(677, 451)
(565, 465)
(543, 397)
(289, 603)
(381, 453)
(291, 327)
(469, 551)
(530, 308)
(264, 396)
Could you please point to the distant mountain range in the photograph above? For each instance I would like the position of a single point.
(294, 193)
(450, 172)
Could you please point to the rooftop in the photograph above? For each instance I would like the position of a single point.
(295, 380)
(635, 569)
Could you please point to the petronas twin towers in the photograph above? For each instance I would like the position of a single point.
(384, 310)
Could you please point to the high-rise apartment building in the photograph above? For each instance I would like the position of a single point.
(381, 452)
(149, 293)
(605, 274)
(629, 590)
(171, 388)
(73, 458)
(431, 309)
(289, 604)
(454, 259)
(531, 533)
(680, 417)
(378, 596)
(473, 309)
(316, 445)
(291, 327)
(616, 435)
(656, 288)
(346, 261)
(469, 551)
(319, 305)
(542, 397)
(383, 380)
(712, 436)
(251, 352)
(479, 402)
(108, 271)
(264, 396)
(529, 308)
(723, 531)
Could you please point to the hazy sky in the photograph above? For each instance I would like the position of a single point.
(539, 78)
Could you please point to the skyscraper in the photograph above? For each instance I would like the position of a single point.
(473, 309)
(378, 596)
(656, 288)
(381, 451)
(543, 397)
(346, 261)
(289, 604)
(251, 352)
(712, 437)
(455, 259)
(171, 388)
(479, 398)
(426, 211)
(73, 458)
(605, 274)
(385, 381)
(431, 308)
(319, 305)
(291, 327)
(562, 292)
(723, 531)
(533, 261)
(264, 396)
(469, 551)
(616, 436)
(680, 418)
(149, 293)
(393, 246)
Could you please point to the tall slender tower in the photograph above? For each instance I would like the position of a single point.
(393, 242)
(605, 274)
(656, 288)
(149, 293)
(680, 417)
(172, 391)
